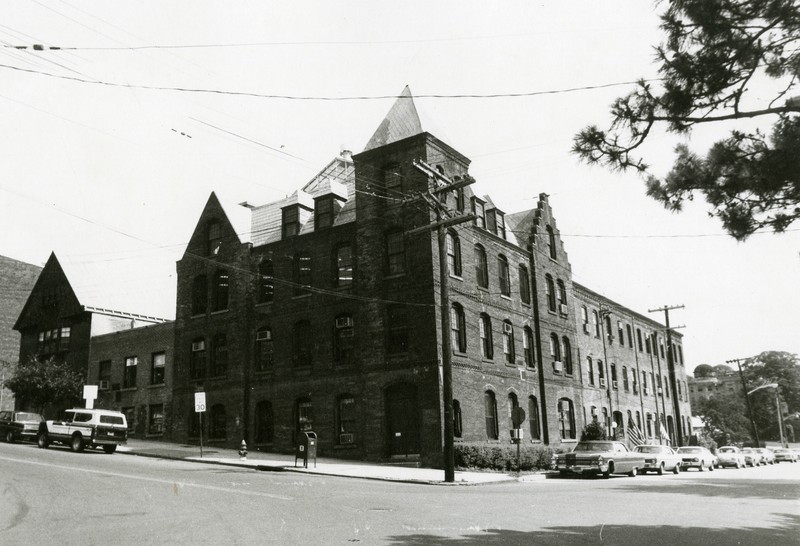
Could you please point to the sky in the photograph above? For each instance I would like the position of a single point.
(112, 144)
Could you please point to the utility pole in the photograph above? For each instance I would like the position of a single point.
(738, 362)
(437, 200)
(673, 381)
(604, 313)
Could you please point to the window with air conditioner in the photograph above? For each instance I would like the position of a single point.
(602, 382)
(558, 366)
(104, 385)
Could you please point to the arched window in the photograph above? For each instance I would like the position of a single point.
(304, 415)
(199, 295)
(487, 342)
(213, 238)
(590, 369)
(503, 276)
(562, 296)
(625, 384)
(302, 337)
(585, 319)
(566, 355)
(533, 418)
(220, 291)
(550, 288)
(453, 254)
(458, 426)
(344, 266)
(217, 429)
(219, 364)
(639, 338)
(555, 347)
(601, 373)
(649, 422)
(639, 420)
(302, 273)
(266, 281)
(344, 340)
(528, 348)
(508, 342)
(395, 253)
(566, 419)
(265, 352)
(481, 267)
(666, 387)
(613, 372)
(490, 413)
(609, 332)
(551, 242)
(513, 402)
(346, 419)
(524, 285)
(458, 328)
(197, 359)
(595, 323)
(264, 423)
(397, 329)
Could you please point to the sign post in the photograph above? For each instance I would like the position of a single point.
(200, 408)
(517, 418)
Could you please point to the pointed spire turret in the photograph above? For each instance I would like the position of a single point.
(401, 122)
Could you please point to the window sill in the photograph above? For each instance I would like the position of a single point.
(219, 312)
(457, 277)
(504, 297)
(157, 386)
(394, 276)
(128, 389)
(459, 354)
(487, 360)
(264, 304)
(483, 288)
(301, 296)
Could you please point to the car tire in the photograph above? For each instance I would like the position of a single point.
(607, 473)
(677, 469)
(634, 471)
(661, 469)
(76, 443)
(110, 448)
(702, 467)
(738, 465)
(711, 467)
(9, 437)
(42, 440)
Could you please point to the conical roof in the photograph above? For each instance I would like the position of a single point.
(401, 122)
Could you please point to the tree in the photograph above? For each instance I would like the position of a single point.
(39, 385)
(716, 61)
(594, 431)
(725, 418)
(773, 367)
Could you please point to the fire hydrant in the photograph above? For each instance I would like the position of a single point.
(243, 451)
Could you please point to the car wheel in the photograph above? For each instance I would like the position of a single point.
(110, 449)
(738, 465)
(677, 469)
(77, 443)
(702, 467)
(634, 471)
(607, 473)
(9, 437)
(661, 469)
(711, 467)
(42, 441)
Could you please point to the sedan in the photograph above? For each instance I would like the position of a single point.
(659, 458)
(697, 457)
(783, 454)
(751, 456)
(731, 456)
(19, 425)
(767, 455)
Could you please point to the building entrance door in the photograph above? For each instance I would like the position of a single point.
(402, 416)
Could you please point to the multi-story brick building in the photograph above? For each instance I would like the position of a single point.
(721, 379)
(322, 312)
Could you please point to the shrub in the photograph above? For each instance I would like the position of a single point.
(502, 457)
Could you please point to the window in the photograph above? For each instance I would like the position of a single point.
(481, 267)
(63, 338)
(392, 179)
(199, 295)
(500, 224)
(344, 266)
(302, 337)
(459, 195)
(644, 381)
(551, 243)
(503, 274)
(490, 414)
(290, 221)
(566, 419)
(219, 360)
(343, 341)
(302, 273)
(649, 424)
(595, 323)
(458, 328)
(601, 372)
(638, 420)
(590, 369)
(555, 348)
(265, 423)
(609, 332)
(625, 384)
(680, 354)
(527, 347)
(647, 344)
(453, 254)
(634, 381)
(129, 377)
(323, 212)
(639, 339)
(159, 362)
(155, 424)
(304, 412)
(533, 418)
(566, 355)
(585, 319)
(613, 369)
(217, 423)
(104, 371)
(630, 336)
(458, 426)
(197, 359)
(395, 253)
(513, 403)
(620, 333)
(562, 296)
(346, 419)
(550, 288)
(220, 290)
(508, 342)
(266, 281)
(213, 238)
(479, 209)
(661, 347)
(666, 387)
(397, 329)
(265, 351)
(524, 285)
(487, 342)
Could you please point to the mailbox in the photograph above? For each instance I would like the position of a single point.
(306, 448)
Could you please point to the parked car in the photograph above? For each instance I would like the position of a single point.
(659, 459)
(19, 425)
(604, 457)
(751, 456)
(767, 455)
(81, 428)
(783, 454)
(731, 456)
(696, 457)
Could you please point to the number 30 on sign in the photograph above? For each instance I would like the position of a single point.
(199, 402)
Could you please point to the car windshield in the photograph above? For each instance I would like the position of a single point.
(690, 450)
(29, 417)
(648, 449)
(727, 450)
(599, 446)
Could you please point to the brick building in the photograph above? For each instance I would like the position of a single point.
(16, 281)
(321, 312)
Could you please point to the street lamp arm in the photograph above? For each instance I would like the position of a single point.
(767, 386)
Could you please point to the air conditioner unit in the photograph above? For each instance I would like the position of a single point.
(563, 405)
(563, 308)
(198, 345)
(659, 391)
(602, 382)
(614, 384)
(558, 367)
(264, 335)
(507, 328)
(346, 438)
(344, 322)
(594, 410)
(104, 385)
(585, 327)
(516, 433)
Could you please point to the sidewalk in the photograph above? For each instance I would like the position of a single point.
(325, 466)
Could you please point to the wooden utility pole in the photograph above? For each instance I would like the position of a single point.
(671, 367)
(738, 362)
(437, 200)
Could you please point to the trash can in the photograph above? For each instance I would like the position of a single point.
(306, 448)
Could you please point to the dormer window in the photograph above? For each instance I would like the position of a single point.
(500, 224)
(323, 212)
(290, 224)
(213, 238)
(479, 209)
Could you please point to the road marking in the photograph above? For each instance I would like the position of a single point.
(175, 485)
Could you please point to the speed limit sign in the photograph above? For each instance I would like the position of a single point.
(199, 402)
